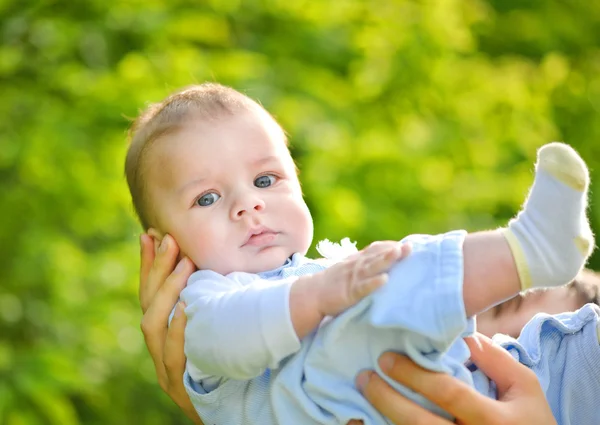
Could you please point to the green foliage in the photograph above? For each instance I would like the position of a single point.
(405, 117)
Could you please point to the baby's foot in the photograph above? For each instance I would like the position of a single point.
(551, 238)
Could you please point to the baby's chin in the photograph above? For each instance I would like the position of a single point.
(257, 262)
(262, 262)
(266, 264)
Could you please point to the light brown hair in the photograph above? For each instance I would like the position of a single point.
(205, 102)
(587, 285)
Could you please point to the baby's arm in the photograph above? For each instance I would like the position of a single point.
(339, 287)
(237, 330)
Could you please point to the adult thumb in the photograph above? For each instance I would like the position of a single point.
(497, 363)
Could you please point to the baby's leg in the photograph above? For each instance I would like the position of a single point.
(545, 245)
(420, 310)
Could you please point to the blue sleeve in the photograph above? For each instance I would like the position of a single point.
(236, 328)
(424, 294)
(564, 352)
(419, 311)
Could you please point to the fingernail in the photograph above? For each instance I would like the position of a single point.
(363, 379)
(386, 362)
(164, 244)
(180, 266)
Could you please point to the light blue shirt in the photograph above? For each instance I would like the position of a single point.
(564, 352)
(246, 365)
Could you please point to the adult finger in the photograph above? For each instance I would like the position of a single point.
(394, 406)
(174, 363)
(162, 265)
(155, 321)
(449, 393)
(498, 365)
(521, 399)
(146, 259)
(167, 294)
(174, 356)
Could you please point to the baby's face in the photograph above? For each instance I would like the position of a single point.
(227, 191)
(511, 316)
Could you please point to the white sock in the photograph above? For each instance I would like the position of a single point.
(550, 238)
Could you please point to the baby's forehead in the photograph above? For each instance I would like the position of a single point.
(222, 141)
(217, 147)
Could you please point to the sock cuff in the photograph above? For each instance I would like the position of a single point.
(520, 259)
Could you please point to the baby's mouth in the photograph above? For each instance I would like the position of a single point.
(260, 236)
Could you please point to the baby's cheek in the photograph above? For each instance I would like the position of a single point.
(305, 229)
(204, 254)
(196, 258)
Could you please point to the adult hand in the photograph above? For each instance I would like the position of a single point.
(521, 400)
(160, 285)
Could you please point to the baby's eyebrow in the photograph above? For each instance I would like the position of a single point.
(514, 303)
(265, 160)
(192, 183)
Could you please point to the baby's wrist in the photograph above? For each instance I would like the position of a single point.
(305, 304)
(328, 296)
(319, 294)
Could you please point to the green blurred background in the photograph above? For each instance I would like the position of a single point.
(405, 117)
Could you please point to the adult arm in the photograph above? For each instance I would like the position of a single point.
(521, 400)
(160, 286)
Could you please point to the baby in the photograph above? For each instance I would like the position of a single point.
(274, 337)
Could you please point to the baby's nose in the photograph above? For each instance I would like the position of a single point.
(248, 206)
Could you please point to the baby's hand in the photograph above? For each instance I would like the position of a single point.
(347, 282)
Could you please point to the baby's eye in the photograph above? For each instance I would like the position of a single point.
(207, 199)
(265, 181)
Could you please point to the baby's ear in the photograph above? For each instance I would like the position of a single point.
(156, 238)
